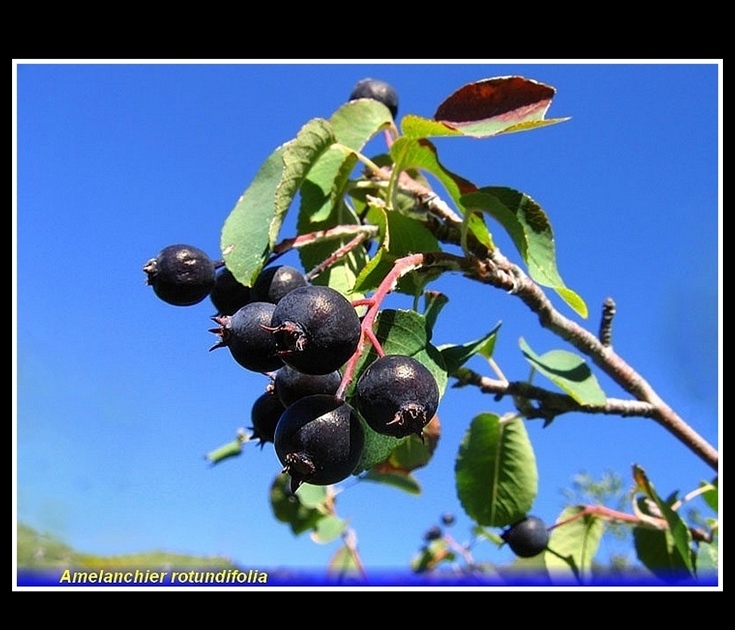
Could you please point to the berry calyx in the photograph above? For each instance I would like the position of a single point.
(527, 538)
(397, 395)
(248, 337)
(316, 329)
(319, 440)
(181, 275)
(378, 91)
(273, 283)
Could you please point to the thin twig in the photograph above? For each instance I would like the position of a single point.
(495, 269)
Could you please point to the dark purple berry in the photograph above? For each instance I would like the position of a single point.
(448, 519)
(433, 533)
(290, 384)
(266, 412)
(274, 282)
(248, 337)
(228, 295)
(527, 538)
(316, 329)
(319, 440)
(378, 91)
(397, 395)
(181, 275)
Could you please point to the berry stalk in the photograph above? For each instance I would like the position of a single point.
(401, 267)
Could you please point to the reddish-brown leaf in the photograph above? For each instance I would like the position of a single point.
(497, 97)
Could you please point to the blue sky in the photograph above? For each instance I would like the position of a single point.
(117, 397)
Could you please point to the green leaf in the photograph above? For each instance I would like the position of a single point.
(343, 273)
(322, 192)
(572, 546)
(678, 530)
(421, 154)
(399, 237)
(353, 125)
(711, 494)
(405, 482)
(374, 271)
(530, 230)
(314, 139)
(247, 231)
(288, 508)
(414, 126)
(327, 529)
(455, 356)
(343, 562)
(411, 453)
(569, 372)
(434, 303)
(312, 496)
(708, 557)
(433, 554)
(322, 189)
(399, 332)
(231, 449)
(656, 549)
(495, 471)
(356, 122)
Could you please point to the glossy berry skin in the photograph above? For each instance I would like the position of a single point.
(527, 538)
(248, 337)
(397, 395)
(319, 440)
(265, 413)
(290, 385)
(274, 282)
(181, 275)
(228, 295)
(316, 329)
(378, 91)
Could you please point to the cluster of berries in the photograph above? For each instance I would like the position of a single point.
(302, 335)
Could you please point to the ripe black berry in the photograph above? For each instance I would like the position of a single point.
(228, 295)
(181, 275)
(433, 533)
(397, 395)
(248, 337)
(290, 384)
(319, 440)
(448, 519)
(316, 329)
(267, 410)
(274, 282)
(378, 91)
(527, 538)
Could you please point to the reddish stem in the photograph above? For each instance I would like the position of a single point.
(401, 267)
(602, 512)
